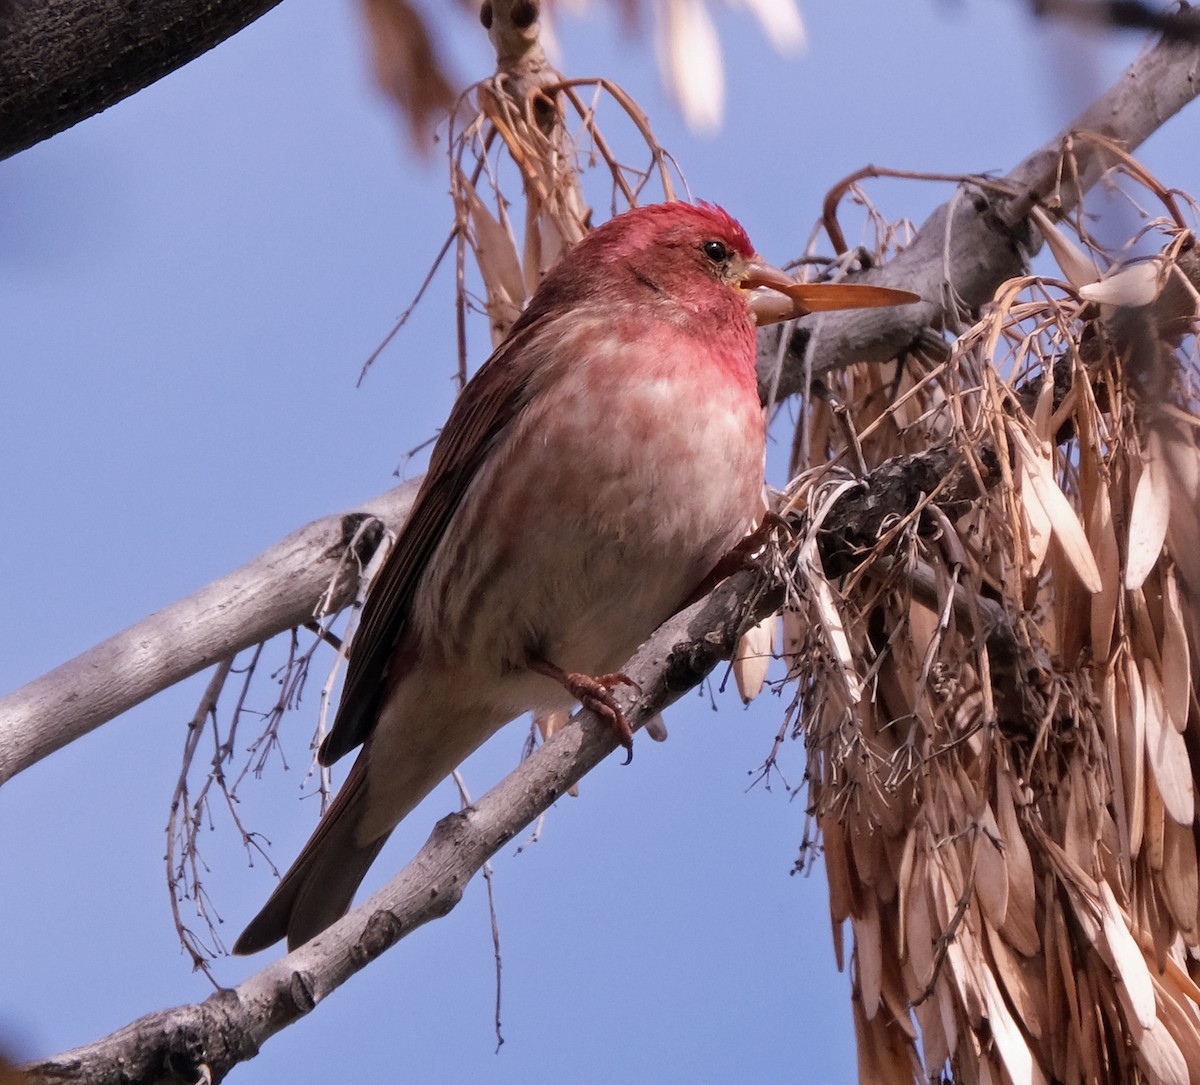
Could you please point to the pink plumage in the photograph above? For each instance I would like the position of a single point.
(589, 478)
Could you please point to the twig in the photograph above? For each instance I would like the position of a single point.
(465, 796)
(231, 1025)
(971, 244)
(177, 879)
(273, 592)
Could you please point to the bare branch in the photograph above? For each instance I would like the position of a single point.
(975, 241)
(1183, 25)
(963, 251)
(276, 591)
(230, 1026)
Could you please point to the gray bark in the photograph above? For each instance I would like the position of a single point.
(278, 590)
(213, 1036)
(976, 240)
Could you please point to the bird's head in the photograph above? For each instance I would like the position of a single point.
(699, 256)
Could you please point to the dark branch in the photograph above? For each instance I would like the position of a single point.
(62, 61)
(1181, 25)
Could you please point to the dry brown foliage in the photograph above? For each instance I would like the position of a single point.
(408, 66)
(991, 631)
(990, 618)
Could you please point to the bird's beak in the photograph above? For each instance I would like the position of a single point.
(774, 296)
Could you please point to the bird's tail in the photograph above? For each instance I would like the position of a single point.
(318, 888)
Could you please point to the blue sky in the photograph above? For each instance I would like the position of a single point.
(189, 285)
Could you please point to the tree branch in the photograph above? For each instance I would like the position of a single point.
(960, 255)
(204, 1041)
(181, 1044)
(64, 60)
(965, 249)
(276, 591)
(976, 240)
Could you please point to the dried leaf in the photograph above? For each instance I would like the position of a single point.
(904, 882)
(1152, 842)
(1132, 286)
(1127, 958)
(1176, 656)
(753, 657)
(1178, 877)
(1103, 537)
(656, 727)
(1148, 519)
(1182, 1023)
(1013, 1048)
(868, 952)
(935, 1046)
(795, 626)
(1077, 266)
(883, 1056)
(1182, 983)
(1182, 459)
(1119, 753)
(1160, 1057)
(1078, 838)
(408, 67)
(554, 245)
(1167, 752)
(919, 937)
(496, 254)
(895, 997)
(1022, 979)
(689, 56)
(1045, 490)
(830, 619)
(838, 873)
(781, 22)
(1038, 528)
(1131, 708)
(1020, 917)
(991, 871)
(1021, 768)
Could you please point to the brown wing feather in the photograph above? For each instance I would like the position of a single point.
(481, 414)
(319, 886)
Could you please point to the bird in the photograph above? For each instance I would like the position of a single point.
(591, 475)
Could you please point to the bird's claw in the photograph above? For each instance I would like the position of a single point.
(617, 678)
(596, 693)
(748, 552)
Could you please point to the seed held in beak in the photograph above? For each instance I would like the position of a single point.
(776, 296)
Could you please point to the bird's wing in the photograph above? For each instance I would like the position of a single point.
(481, 415)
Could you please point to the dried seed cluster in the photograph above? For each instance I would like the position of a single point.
(994, 669)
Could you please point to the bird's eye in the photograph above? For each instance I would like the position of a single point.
(716, 251)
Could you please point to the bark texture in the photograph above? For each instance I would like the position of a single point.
(211, 1037)
(977, 239)
(62, 61)
(278, 590)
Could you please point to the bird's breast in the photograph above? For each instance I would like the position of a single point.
(634, 468)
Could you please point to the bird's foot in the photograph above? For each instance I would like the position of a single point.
(595, 692)
(746, 555)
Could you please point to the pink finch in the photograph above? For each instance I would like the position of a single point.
(589, 478)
